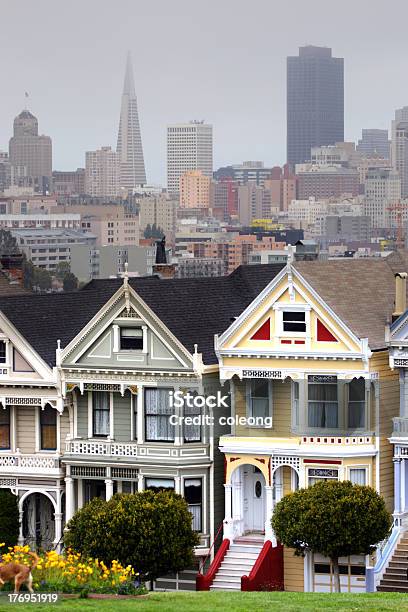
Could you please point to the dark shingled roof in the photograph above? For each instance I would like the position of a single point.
(360, 291)
(193, 309)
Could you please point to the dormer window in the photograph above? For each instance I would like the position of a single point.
(294, 321)
(131, 339)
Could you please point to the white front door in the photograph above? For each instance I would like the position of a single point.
(254, 499)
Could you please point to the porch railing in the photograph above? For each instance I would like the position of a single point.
(400, 426)
(32, 461)
(204, 581)
(385, 551)
(101, 447)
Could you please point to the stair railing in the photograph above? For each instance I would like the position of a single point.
(384, 553)
(267, 572)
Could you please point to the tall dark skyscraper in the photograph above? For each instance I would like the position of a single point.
(315, 101)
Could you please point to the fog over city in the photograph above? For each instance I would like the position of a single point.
(225, 63)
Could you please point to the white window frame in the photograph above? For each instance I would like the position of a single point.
(38, 448)
(116, 338)
(248, 403)
(90, 418)
(203, 478)
(367, 399)
(319, 467)
(280, 333)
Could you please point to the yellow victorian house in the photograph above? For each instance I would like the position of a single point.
(313, 398)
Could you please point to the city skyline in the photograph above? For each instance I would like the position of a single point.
(75, 95)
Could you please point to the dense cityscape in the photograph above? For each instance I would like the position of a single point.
(203, 388)
(330, 199)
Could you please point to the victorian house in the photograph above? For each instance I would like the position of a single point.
(313, 396)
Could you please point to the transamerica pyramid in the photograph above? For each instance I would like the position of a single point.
(132, 168)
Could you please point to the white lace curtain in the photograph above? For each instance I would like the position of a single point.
(157, 413)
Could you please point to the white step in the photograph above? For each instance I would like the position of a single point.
(226, 586)
(244, 549)
(230, 579)
(241, 555)
(236, 567)
(226, 571)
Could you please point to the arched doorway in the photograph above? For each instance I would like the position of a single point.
(254, 499)
(38, 521)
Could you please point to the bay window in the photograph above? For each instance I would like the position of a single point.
(48, 428)
(5, 438)
(193, 494)
(322, 402)
(101, 413)
(157, 415)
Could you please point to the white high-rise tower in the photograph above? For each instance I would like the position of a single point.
(132, 168)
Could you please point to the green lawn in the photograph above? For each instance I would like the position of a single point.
(231, 602)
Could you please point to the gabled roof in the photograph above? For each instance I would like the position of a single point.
(360, 291)
(193, 309)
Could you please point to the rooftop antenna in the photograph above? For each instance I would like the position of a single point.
(126, 286)
(26, 96)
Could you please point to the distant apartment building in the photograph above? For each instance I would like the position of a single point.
(194, 190)
(46, 248)
(30, 153)
(160, 211)
(88, 261)
(224, 198)
(196, 267)
(102, 173)
(68, 183)
(189, 147)
(329, 155)
(41, 221)
(315, 102)
(347, 227)
(306, 212)
(254, 202)
(112, 224)
(27, 204)
(233, 252)
(324, 182)
(369, 163)
(382, 190)
(5, 171)
(374, 142)
(399, 147)
(248, 171)
(282, 186)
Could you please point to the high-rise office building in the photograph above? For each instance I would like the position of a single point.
(382, 189)
(31, 154)
(132, 167)
(189, 147)
(194, 190)
(399, 147)
(102, 173)
(315, 101)
(374, 142)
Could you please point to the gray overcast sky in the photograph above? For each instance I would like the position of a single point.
(220, 61)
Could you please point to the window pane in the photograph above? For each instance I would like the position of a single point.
(131, 339)
(357, 390)
(260, 388)
(293, 316)
(192, 433)
(358, 476)
(193, 495)
(2, 352)
(159, 483)
(101, 413)
(5, 428)
(158, 412)
(48, 426)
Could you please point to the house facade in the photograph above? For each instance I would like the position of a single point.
(309, 372)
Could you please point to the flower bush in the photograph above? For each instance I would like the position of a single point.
(74, 573)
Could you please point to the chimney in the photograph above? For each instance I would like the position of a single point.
(400, 294)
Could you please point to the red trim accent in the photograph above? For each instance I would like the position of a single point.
(267, 573)
(286, 341)
(328, 462)
(264, 332)
(204, 581)
(299, 342)
(323, 334)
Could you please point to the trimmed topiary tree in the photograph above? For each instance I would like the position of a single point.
(9, 518)
(152, 531)
(335, 519)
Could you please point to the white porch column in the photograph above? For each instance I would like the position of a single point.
(20, 533)
(397, 488)
(80, 490)
(58, 531)
(228, 522)
(177, 485)
(69, 498)
(269, 534)
(140, 482)
(108, 484)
